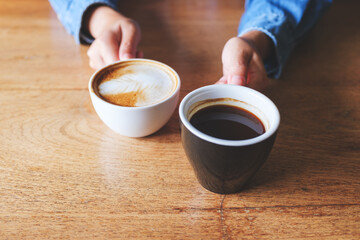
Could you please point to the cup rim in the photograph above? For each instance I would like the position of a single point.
(224, 142)
(176, 90)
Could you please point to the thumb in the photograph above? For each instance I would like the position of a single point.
(236, 71)
(238, 76)
(235, 62)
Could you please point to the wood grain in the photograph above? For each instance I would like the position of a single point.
(65, 175)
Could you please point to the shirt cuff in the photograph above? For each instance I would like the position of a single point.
(73, 18)
(273, 64)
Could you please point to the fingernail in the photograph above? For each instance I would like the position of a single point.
(237, 80)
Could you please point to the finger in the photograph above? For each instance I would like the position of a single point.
(96, 64)
(235, 57)
(236, 67)
(129, 42)
(109, 47)
(257, 77)
(95, 59)
(237, 80)
(222, 80)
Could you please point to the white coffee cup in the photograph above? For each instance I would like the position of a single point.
(145, 119)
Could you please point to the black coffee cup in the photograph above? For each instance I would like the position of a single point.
(222, 165)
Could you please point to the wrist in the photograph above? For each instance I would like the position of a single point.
(261, 42)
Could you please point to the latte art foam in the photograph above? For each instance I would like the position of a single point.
(136, 85)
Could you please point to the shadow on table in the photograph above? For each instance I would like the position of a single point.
(317, 96)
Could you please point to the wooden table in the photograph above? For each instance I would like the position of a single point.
(65, 175)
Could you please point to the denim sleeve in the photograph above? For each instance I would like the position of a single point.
(70, 13)
(284, 21)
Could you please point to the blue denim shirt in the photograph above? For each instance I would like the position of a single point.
(70, 13)
(284, 21)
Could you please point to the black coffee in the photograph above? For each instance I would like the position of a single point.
(227, 122)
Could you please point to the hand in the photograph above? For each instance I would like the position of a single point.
(116, 37)
(242, 61)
